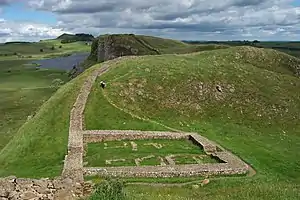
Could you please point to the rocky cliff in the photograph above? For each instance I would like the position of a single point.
(108, 47)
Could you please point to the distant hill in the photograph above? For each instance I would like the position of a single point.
(68, 38)
(106, 47)
(289, 47)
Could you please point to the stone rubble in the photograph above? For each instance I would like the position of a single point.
(12, 188)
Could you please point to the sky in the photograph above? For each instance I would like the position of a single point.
(269, 20)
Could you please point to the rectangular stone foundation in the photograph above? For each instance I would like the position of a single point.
(231, 164)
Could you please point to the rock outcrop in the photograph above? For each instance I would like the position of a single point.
(108, 47)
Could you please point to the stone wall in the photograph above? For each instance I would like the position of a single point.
(207, 145)
(168, 171)
(92, 136)
(231, 164)
(73, 165)
(12, 188)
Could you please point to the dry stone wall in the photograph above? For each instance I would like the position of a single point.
(231, 165)
(73, 165)
(92, 136)
(12, 188)
(168, 171)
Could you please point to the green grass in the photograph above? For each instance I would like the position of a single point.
(130, 44)
(111, 117)
(255, 116)
(39, 146)
(168, 46)
(15, 106)
(188, 159)
(98, 153)
(229, 188)
(32, 50)
(23, 89)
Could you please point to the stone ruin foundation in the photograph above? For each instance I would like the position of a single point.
(71, 185)
(229, 165)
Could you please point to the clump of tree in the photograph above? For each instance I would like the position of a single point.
(68, 41)
(57, 83)
(41, 50)
(53, 48)
(69, 38)
(60, 46)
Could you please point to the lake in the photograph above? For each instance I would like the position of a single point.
(63, 63)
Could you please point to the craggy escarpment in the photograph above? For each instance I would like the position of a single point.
(108, 47)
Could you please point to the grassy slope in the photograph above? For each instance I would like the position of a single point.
(22, 90)
(32, 50)
(256, 115)
(147, 45)
(31, 152)
(111, 117)
(170, 95)
(168, 46)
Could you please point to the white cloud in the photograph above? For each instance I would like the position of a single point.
(12, 31)
(179, 19)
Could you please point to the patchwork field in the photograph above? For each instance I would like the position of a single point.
(145, 152)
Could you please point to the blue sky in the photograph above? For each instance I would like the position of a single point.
(296, 3)
(32, 20)
(19, 11)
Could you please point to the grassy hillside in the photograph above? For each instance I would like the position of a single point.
(255, 115)
(23, 86)
(45, 48)
(69, 38)
(168, 46)
(23, 89)
(130, 44)
(291, 47)
(39, 147)
(249, 107)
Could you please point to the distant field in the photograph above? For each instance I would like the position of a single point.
(23, 89)
(23, 86)
(292, 48)
(46, 48)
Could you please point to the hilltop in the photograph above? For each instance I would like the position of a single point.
(68, 38)
(109, 46)
(244, 98)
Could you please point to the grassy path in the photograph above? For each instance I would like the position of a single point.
(136, 116)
